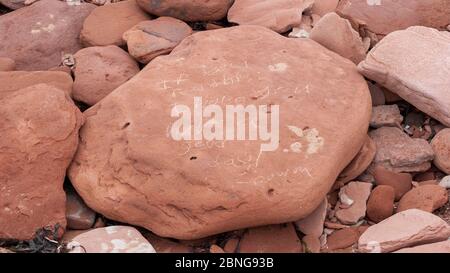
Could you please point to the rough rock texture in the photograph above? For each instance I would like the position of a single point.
(398, 152)
(149, 39)
(13, 4)
(313, 223)
(191, 11)
(278, 15)
(401, 182)
(358, 193)
(381, 203)
(386, 115)
(112, 239)
(13, 81)
(271, 239)
(407, 228)
(440, 247)
(39, 35)
(150, 177)
(358, 165)
(337, 34)
(311, 244)
(39, 128)
(78, 215)
(427, 197)
(99, 70)
(322, 7)
(413, 63)
(392, 15)
(342, 238)
(7, 64)
(106, 24)
(441, 148)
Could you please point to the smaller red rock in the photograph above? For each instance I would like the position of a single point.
(425, 176)
(231, 245)
(386, 115)
(441, 148)
(216, 249)
(337, 34)
(150, 39)
(427, 198)
(78, 215)
(354, 196)
(401, 182)
(99, 70)
(381, 203)
(342, 238)
(271, 239)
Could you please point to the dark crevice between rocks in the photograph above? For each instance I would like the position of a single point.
(4, 10)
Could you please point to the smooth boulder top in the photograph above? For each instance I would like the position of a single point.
(99, 70)
(130, 169)
(38, 36)
(414, 64)
(190, 11)
(385, 16)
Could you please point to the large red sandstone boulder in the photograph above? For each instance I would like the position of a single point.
(99, 70)
(39, 128)
(198, 10)
(278, 15)
(106, 24)
(414, 64)
(39, 35)
(130, 168)
(385, 16)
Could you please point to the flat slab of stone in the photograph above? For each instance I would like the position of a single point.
(414, 64)
(398, 152)
(404, 229)
(112, 239)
